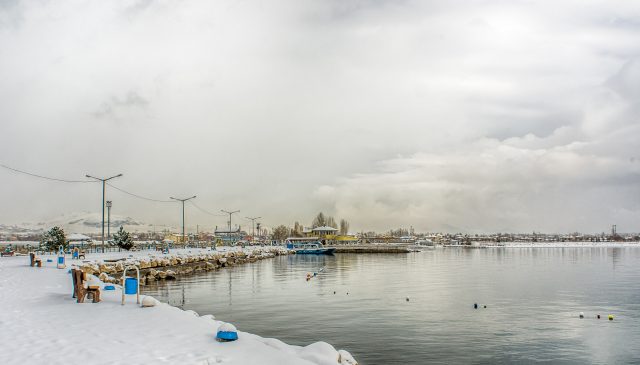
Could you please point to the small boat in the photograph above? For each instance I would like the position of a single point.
(308, 246)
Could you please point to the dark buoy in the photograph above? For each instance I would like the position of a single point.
(581, 314)
(407, 299)
(598, 316)
(485, 306)
(347, 293)
(334, 292)
(475, 305)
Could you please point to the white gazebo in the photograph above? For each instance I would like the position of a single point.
(324, 230)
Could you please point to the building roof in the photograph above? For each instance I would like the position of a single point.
(324, 228)
(78, 237)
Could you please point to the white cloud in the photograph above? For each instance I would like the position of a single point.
(287, 108)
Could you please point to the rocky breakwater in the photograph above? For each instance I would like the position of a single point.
(169, 267)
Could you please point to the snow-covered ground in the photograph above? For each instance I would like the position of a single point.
(41, 323)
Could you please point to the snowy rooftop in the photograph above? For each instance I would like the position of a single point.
(324, 228)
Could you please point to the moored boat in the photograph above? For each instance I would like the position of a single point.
(308, 246)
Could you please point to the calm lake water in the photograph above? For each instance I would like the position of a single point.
(533, 297)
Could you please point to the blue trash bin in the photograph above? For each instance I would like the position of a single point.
(61, 260)
(130, 286)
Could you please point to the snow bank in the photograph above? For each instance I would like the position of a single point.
(41, 323)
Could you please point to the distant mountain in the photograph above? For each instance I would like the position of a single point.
(82, 222)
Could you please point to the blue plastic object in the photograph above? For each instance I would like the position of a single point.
(227, 336)
(61, 260)
(130, 286)
(49, 260)
(109, 287)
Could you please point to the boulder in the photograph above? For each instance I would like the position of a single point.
(149, 301)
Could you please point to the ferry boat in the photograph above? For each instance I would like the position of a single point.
(308, 246)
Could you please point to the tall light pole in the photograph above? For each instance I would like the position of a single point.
(253, 226)
(104, 181)
(109, 204)
(183, 200)
(230, 213)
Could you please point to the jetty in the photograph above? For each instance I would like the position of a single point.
(372, 248)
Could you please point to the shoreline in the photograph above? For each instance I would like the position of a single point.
(42, 323)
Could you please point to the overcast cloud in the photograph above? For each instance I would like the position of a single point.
(470, 116)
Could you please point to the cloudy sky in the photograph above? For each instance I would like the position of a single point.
(471, 116)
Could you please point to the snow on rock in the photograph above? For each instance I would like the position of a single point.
(320, 353)
(42, 323)
(345, 358)
(149, 301)
(210, 317)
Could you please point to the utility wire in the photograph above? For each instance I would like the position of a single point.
(205, 211)
(45, 177)
(140, 196)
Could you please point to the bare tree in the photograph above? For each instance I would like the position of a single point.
(332, 222)
(319, 221)
(344, 227)
(280, 233)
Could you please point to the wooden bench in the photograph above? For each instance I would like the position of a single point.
(79, 291)
(34, 260)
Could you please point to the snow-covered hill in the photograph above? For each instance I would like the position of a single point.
(81, 222)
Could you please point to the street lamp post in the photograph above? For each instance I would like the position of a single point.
(253, 226)
(183, 200)
(230, 213)
(109, 204)
(104, 181)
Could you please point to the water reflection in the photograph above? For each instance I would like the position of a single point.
(532, 297)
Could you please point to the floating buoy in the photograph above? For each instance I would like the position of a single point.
(581, 315)
(334, 292)
(475, 305)
(598, 316)
(227, 332)
(611, 317)
(407, 299)
(485, 306)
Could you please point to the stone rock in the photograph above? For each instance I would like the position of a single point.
(170, 275)
(149, 301)
(345, 358)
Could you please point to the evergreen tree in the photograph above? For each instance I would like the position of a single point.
(53, 239)
(123, 239)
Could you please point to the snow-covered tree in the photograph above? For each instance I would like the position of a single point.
(53, 239)
(123, 239)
